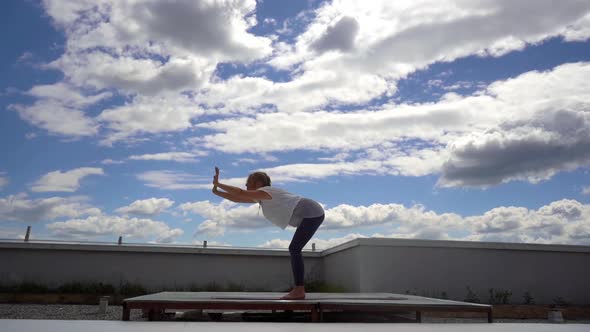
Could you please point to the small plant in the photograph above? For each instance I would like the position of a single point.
(86, 288)
(132, 289)
(195, 288)
(499, 296)
(231, 287)
(560, 302)
(213, 287)
(30, 287)
(528, 299)
(471, 297)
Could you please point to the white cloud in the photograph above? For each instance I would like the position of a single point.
(148, 207)
(586, 190)
(564, 221)
(19, 208)
(59, 109)
(394, 39)
(499, 134)
(579, 30)
(151, 47)
(225, 215)
(111, 162)
(102, 225)
(3, 180)
(146, 49)
(14, 233)
(148, 115)
(182, 157)
(546, 134)
(68, 181)
(171, 180)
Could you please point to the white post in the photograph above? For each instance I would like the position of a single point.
(103, 304)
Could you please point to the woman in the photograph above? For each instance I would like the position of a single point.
(282, 209)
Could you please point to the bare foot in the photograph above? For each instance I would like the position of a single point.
(297, 293)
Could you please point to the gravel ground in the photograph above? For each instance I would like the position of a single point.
(90, 312)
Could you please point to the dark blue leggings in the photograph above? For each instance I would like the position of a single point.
(302, 235)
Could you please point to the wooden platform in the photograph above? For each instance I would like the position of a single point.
(315, 303)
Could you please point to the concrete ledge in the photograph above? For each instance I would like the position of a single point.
(152, 249)
(373, 242)
(390, 242)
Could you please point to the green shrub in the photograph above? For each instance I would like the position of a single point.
(30, 287)
(528, 299)
(86, 288)
(499, 296)
(133, 289)
(471, 297)
(213, 287)
(232, 287)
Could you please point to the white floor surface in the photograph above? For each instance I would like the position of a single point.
(22, 325)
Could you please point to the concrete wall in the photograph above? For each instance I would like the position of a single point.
(421, 267)
(431, 267)
(341, 266)
(152, 267)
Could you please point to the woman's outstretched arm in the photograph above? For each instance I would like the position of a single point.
(231, 197)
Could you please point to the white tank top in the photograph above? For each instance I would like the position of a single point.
(280, 208)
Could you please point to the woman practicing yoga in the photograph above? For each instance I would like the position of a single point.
(282, 209)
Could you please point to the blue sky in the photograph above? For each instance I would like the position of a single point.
(414, 119)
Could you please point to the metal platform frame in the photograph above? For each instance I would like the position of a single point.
(315, 303)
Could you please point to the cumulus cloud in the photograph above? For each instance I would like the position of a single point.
(338, 37)
(146, 50)
(3, 180)
(548, 134)
(172, 180)
(59, 109)
(68, 181)
(182, 157)
(103, 225)
(109, 161)
(20, 208)
(564, 221)
(148, 115)
(223, 216)
(139, 49)
(148, 207)
(394, 39)
(511, 130)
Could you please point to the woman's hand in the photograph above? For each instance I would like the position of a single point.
(216, 177)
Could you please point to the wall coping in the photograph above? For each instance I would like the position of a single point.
(391, 242)
(130, 247)
(369, 242)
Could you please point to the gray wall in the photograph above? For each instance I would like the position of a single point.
(152, 267)
(341, 267)
(431, 267)
(421, 267)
